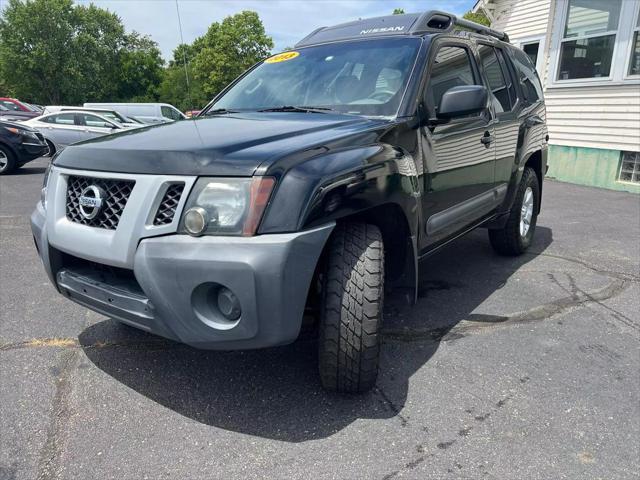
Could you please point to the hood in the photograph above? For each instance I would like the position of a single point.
(222, 145)
(21, 126)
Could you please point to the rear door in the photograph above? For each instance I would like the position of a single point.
(458, 156)
(529, 110)
(61, 129)
(505, 107)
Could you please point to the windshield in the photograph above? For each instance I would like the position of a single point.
(113, 116)
(359, 77)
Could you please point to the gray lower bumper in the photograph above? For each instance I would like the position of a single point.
(178, 277)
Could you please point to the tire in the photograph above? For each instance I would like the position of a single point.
(351, 309)
(514, 239)
(7, 160)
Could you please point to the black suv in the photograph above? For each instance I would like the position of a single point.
(318, 178)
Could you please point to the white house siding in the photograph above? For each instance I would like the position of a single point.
(597, 117)
(601, 116)
(521, 18)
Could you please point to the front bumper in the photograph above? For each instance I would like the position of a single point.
(177, 277)
(31, 151)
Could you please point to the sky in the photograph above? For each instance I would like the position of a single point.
(286, 21)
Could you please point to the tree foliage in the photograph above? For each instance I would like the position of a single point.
(58, 52)
(174, 89)
(55, 52)
(477, 17)
(398, 11)
(228, 49)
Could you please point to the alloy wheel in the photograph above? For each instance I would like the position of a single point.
(526, 212)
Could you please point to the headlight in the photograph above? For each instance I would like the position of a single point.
(26, 134)
(226, 206)
(30, 136)
(43, 191)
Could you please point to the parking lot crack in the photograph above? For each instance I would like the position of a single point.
(49, 458)
(587, 265)
(476, 323)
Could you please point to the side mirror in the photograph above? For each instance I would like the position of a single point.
(462, 100)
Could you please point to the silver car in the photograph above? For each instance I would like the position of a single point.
(64, 128)
(108, 114)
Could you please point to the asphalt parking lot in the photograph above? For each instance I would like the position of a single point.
(523, 368)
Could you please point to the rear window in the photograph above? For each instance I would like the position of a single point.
(527, 75)
(61, 119)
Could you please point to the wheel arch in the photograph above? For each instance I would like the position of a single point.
(400, 245)
(10, 147)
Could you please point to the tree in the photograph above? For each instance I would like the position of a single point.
(478, 17)
(140, 69)
(55, 52)
(228, 49)
(174, 89)
(398, 11)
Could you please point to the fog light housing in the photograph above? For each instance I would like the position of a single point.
(195, 221)
(228, 304)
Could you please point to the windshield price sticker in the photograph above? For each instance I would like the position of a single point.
(282, 57)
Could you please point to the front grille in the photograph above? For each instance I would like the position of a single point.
(40, 136)
(117, 193)
(170, 201)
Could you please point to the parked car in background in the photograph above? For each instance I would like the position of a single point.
(11, 111)
(147, 112)
(19, 144)
(112, 115)
(192, 113)
(64, 128)
(35, 108)
(15, 104)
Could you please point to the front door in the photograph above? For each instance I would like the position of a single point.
(459, 155)
(93, 126)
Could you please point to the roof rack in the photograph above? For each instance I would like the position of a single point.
(433, 21)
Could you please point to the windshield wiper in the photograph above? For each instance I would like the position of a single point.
(219, 111)
(292, 108)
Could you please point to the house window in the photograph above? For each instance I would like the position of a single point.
(630, 167)
(588, 41)
(634, 63)
(531, 49)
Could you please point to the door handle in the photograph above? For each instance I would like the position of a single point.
(486, 139)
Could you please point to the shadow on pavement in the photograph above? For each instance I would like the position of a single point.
(276, 393)
(26, 170)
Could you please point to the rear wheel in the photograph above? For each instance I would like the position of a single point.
(351, 309)
(7, 160)
(516, 236)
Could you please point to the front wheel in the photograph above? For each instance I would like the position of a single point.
(516, 236)
(7, 160)
(351, 309)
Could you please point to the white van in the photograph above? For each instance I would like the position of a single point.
(146, 112)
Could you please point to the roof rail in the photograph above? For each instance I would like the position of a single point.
(435, 20)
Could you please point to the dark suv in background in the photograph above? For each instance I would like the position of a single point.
(19, 144)
(318, 178)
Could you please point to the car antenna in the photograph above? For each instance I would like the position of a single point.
(184, 57)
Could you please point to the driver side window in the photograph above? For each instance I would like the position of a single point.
(451, 68)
